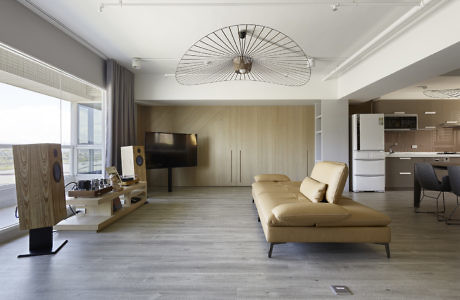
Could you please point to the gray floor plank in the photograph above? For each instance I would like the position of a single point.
(206, 243)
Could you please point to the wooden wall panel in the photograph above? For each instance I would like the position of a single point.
(235, 143)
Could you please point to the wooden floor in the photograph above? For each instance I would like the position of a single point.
(206, 243)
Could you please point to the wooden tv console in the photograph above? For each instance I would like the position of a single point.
(99, 210)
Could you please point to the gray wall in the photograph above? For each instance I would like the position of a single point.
(22, 29)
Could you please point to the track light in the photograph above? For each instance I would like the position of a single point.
(136, 63)
(335, 6)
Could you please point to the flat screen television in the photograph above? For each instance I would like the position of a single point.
(170, 150)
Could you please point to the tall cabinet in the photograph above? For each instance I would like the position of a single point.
(235, 143)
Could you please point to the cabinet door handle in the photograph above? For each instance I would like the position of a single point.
(406, 158)
(405, 173)
(231, 166)
(240, 166)
(430, 113)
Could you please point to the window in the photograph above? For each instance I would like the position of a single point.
(29, 117)
(40, 104)
(90, 138)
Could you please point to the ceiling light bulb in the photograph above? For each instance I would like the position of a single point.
(242, 64)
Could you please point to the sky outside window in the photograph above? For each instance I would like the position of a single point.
(28, 117)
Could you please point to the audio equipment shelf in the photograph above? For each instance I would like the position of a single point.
(99, 211)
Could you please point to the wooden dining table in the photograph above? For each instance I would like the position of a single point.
(417, 188)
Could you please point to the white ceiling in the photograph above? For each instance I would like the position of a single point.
(164, 32)
(415, 92)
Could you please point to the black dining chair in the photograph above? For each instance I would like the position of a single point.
(454, 179)
(426, 177)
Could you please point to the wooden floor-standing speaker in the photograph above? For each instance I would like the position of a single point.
(133, 162)
(40, 194)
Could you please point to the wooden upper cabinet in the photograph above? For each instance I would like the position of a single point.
(384, 107)
(451, 111)
(428, 114)
(395, 106)
(431, 113)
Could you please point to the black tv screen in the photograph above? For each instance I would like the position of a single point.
(170, 150)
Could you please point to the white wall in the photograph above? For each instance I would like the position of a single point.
(334, 126)
(158, 87)
(22, 29)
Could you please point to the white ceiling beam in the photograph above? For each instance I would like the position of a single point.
(428, 49)
(341, 3)
(383, 37)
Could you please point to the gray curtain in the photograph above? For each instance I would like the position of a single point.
(120, 115)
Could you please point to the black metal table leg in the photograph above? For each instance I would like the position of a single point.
(417, 191)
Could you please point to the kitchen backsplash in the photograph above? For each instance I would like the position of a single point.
(438, 140)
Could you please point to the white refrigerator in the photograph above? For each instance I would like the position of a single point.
(368, 156)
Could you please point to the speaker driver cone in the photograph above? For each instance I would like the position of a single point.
(139, 160)
(57, 172)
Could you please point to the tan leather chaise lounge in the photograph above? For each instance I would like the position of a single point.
(295, 212)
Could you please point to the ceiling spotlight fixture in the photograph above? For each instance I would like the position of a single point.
(443, 94)
(245, 52)
(335, 6)
(136, 63)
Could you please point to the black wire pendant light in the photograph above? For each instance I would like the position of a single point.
(244, 52)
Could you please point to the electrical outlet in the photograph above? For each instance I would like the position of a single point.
(414, 146)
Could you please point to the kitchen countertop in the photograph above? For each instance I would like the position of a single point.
(419, 154)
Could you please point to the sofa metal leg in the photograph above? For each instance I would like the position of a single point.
(258, 219)
(252, 200)
(270, 250)
(387, 249)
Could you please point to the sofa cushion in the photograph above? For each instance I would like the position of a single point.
(307, 214)
(265, 203)
(360, 215)
(277, 187)
(271, 178)
(313, 189)
(334, 174)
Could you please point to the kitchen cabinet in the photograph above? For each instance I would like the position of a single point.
(399, 171)
(431, 113)
(428, 115)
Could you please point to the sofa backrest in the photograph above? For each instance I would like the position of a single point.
(334, 174)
